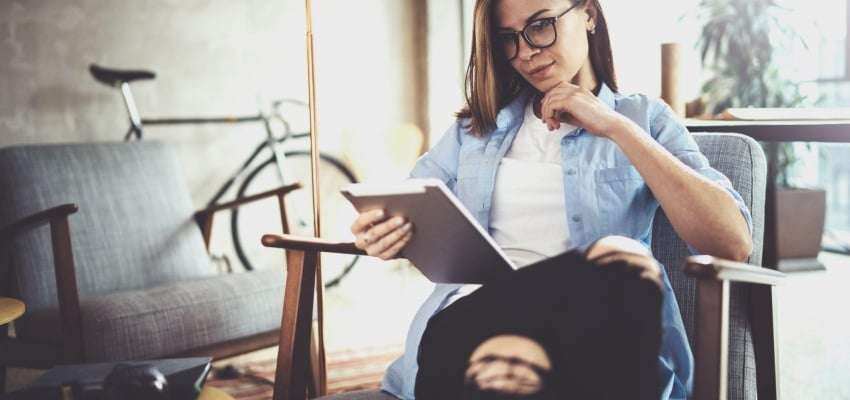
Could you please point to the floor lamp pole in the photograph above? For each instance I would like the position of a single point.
(318, 358)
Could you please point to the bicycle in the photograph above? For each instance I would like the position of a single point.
(280, 167)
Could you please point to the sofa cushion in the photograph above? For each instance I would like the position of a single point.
(173, 318)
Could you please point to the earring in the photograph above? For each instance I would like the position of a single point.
(593, 30)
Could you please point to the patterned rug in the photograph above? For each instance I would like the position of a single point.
(348, 370)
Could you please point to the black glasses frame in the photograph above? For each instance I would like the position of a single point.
(524, 32)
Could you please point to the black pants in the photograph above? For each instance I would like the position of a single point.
(600, 327)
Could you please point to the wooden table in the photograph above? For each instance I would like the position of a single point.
(774, 132)
(10, 310)
(833, 131)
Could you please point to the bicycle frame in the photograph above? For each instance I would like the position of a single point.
(240, 180)
(137, 124)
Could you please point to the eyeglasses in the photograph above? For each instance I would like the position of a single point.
(539, 34)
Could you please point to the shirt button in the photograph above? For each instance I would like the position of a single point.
(571, 172)
(576, 218)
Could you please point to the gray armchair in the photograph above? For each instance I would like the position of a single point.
(102, 244)
(727, 307)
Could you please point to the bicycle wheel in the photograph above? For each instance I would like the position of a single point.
(250, 222)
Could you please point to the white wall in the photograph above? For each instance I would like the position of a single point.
(638, 28)
(446, 64)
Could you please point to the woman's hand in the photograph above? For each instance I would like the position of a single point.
(381, 237)
(580, 107)
(638, 259)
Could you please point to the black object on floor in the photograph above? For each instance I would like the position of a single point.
(128, 380)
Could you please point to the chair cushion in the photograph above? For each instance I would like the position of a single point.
(134, 229)
(361, 395)
(172, 318)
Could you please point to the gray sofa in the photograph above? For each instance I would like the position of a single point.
(127, 276)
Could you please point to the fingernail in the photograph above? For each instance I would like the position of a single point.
(398, 221)
(407, 226)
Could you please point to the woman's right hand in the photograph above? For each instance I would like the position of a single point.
(381, 237)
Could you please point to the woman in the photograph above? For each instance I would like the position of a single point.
(542, 103)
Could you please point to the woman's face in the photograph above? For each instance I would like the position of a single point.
(563, 61)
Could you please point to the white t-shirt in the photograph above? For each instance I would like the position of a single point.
(528, 217)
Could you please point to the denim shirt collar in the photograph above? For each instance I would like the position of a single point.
(606, 95)
(512, 114)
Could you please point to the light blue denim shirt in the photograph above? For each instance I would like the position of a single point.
(605, 195)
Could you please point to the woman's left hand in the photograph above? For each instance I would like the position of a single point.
(580, 107)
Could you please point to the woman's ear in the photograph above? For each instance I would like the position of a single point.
(591, 13)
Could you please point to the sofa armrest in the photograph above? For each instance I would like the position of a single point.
(291, 242)
(204, 217)
(37, 219)
(66, 276)
(281, 191)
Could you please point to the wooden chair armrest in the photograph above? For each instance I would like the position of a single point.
(296, 363)
(204, 217)
(283, 190)
(711, 319)
(39, 218)
(66, 276)
(708, 267)
(291, 242)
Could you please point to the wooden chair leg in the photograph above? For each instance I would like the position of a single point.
(292, 374)
(712, 340)
(317, 384)
(763, 312)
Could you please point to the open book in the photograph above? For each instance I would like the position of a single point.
(448, 244)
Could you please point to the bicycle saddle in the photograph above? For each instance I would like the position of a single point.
(115, 77)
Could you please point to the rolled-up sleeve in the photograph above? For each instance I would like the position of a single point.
(672, 134)
(440, 162)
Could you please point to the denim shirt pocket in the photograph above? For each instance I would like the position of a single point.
(620, 193)
(621, 173)
(468, 188)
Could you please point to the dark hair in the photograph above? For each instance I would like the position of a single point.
(492, 83)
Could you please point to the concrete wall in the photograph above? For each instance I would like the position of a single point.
(212, 58)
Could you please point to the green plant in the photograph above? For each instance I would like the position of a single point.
(738, 44)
